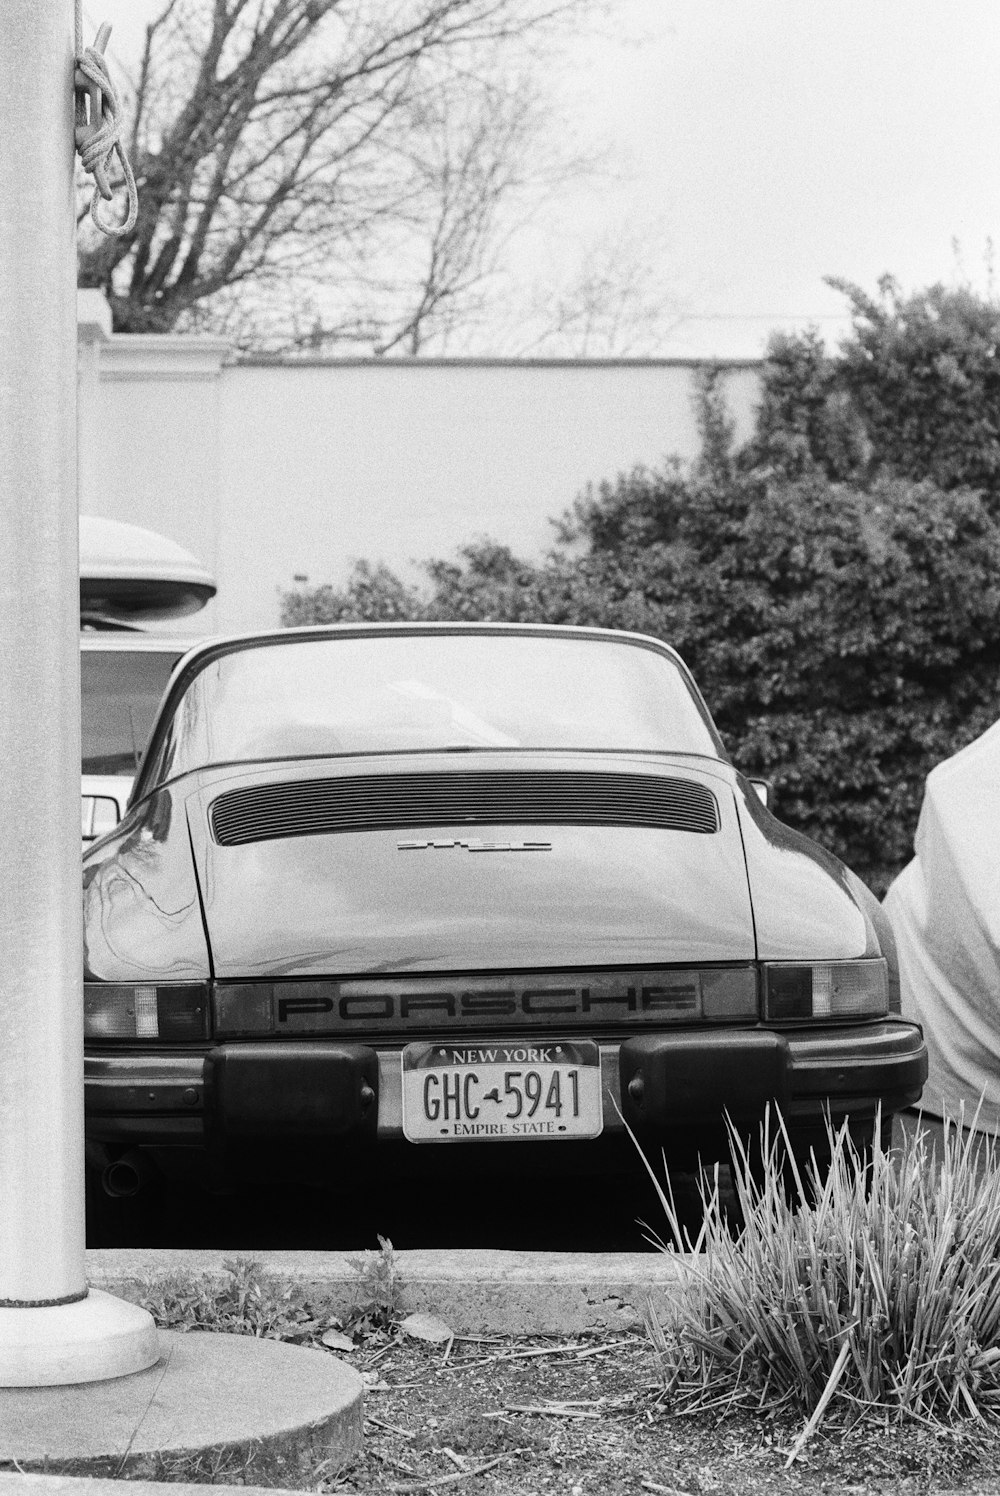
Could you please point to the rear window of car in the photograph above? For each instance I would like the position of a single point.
(432, 693)
(121, 690)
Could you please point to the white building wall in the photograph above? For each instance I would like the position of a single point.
(403, 461)
(268, 472)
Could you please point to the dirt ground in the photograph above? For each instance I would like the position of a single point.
(500, 1417)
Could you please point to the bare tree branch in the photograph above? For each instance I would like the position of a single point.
(256, 122)
(319, 171)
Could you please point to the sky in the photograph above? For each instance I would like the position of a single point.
(758, 146)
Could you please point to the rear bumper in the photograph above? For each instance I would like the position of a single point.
(658, 1083)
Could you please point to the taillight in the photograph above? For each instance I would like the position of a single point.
(727, 994)
(174, 1013)
(826, 989)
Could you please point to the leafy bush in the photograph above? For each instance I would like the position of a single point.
(914, 392)
(372, 592)
(879, 1299)
(922, 374)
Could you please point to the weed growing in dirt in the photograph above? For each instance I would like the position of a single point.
(248, 1301)
(877, 1288)
(377, 1295)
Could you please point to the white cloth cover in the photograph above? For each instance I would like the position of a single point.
(945, 913)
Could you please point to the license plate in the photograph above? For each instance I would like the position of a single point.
(501, 1092)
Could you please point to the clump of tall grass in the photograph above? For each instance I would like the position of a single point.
(875, 1288)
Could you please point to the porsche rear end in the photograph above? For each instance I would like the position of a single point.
(447, 891)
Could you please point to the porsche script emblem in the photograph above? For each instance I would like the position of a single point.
(474, 845)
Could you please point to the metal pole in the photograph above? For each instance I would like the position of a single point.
(51, 1329)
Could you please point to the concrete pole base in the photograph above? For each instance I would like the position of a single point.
(93, 1340)
(215, 1407)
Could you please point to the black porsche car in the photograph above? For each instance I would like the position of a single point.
(475, 894)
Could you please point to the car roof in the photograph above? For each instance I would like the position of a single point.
(235, 643)
(216, 649)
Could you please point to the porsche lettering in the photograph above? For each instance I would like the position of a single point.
(309, 1011)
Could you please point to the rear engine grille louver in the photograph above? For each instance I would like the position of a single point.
(381, 802)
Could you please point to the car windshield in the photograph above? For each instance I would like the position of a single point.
(121, 690)
(432, 692)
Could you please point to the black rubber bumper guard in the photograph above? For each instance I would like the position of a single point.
(674, 1080)
(290, 1090)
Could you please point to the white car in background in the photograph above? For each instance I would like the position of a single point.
(131, 579)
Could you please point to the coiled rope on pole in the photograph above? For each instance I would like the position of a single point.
(98, 130)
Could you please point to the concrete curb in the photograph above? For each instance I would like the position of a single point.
(511, 1293)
